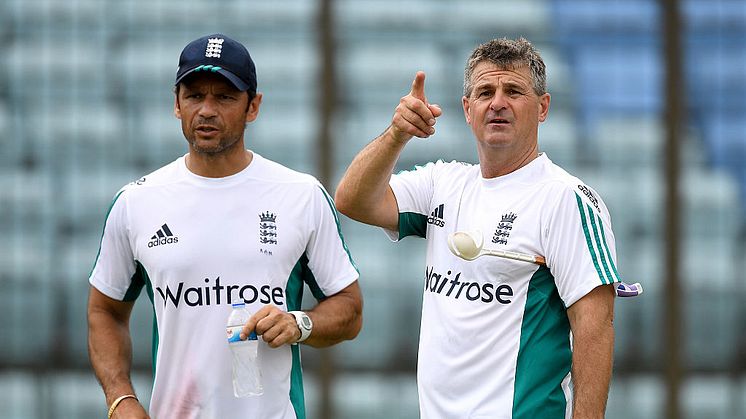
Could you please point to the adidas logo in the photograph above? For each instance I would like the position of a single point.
(436, 217)
(162, 237)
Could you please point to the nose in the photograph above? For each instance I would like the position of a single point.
(208, 107)
(498, 102)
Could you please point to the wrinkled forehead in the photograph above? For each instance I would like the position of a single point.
(489, 72)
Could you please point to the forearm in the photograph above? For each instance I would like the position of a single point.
(336, 318)
(365, 184)
(592, 362)
(592, 323)
(110, 352)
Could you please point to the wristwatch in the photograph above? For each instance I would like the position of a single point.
(304, 324)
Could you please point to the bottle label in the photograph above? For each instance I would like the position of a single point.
(234, 334)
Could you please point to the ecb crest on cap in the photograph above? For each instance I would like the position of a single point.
(214, 47)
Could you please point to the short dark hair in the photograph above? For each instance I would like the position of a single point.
(508, 54)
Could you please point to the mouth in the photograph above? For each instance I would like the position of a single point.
(498, 121)
(206, 129)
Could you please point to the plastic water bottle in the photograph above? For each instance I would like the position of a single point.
(247, 376)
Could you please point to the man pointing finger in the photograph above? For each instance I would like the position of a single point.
(499, 338)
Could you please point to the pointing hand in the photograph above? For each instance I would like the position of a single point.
(414, 116)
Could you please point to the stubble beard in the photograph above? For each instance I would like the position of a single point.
(214, 148)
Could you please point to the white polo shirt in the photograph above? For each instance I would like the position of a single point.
(495, 337)
(198, 244)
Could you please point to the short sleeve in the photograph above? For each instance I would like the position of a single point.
(114, 269)
(328, 257)
(413, 190)
(580, 247)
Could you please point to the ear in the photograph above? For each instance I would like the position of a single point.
(544, 101)
(253, 111)
(465, 104)
(177, 109)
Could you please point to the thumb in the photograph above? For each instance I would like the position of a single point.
(418, 86)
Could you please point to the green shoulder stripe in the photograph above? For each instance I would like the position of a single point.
(602, 249)
(589, 240)
(608, 252)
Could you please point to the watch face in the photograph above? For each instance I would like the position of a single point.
(306, 322)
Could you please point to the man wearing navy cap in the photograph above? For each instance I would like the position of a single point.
(217, 226)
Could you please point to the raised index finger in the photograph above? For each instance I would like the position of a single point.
(418, 86)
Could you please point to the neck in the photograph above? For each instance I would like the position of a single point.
(220, 164)
(494, 163)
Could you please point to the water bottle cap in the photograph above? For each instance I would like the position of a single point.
(238, 305)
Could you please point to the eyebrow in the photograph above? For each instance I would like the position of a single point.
(513, 84)
(509, 84)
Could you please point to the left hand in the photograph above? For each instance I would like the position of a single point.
(276, 327)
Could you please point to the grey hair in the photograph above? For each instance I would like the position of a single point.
(508, 54)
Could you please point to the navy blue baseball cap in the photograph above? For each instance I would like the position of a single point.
(218, 54)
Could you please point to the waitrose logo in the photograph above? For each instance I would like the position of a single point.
(453, 286)
(215, 293)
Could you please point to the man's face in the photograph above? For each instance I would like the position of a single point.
(213, 113)
(503, 110)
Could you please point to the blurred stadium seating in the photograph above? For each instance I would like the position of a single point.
(86, 106)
